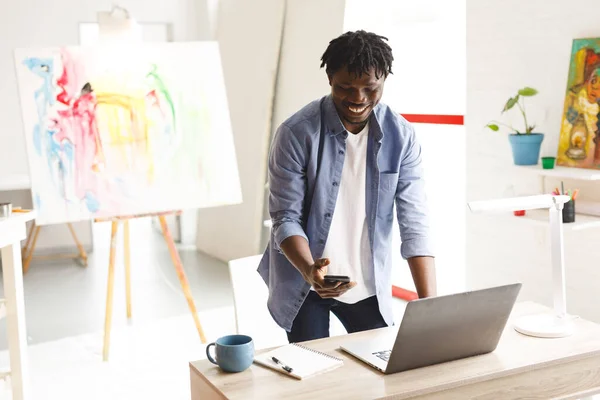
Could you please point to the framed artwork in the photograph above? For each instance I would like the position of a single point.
(579, 141)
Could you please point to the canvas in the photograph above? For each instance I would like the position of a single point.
(117, 131)
(579, 141)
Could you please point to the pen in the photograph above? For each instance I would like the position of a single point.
(285, 367)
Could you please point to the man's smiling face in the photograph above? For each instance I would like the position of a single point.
(355, 96)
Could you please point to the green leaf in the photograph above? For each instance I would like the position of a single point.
(527, 91)
(530, 129)
(511, 103)
(493, 127)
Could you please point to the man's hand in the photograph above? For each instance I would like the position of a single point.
(297, 252)
(315, 276)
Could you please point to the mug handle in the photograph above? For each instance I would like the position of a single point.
(212, 360)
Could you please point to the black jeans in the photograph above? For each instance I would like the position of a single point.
(312, 321)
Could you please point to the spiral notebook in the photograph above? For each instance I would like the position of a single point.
(298, 361)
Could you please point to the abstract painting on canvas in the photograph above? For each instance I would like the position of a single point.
(579, 141)
(117, 131)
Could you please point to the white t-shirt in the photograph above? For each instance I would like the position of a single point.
(347, 245)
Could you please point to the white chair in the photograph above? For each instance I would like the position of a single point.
(250, 296)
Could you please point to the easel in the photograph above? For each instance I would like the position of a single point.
(117, 26)
(127, 260)
(34, 233)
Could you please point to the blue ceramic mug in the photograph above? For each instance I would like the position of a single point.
(233, 353)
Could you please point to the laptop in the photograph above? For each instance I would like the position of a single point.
(440, 329)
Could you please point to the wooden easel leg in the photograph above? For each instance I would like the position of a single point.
(30, 252)
(82, 253)
(109, 290)
(29, 236)
(181, 275)
(127, 255)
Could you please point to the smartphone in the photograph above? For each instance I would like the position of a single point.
(336, 278)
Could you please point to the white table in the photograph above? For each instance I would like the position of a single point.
(12, 232)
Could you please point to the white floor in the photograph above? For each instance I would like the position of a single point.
(147, 361)
(64, 299)
(65, 303)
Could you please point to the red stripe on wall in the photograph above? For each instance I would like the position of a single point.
(435, 119)
(399, 292)
(403, 294)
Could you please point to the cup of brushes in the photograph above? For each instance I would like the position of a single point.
(568, 212)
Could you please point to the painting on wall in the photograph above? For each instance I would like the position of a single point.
(579, 141)
(117, 131)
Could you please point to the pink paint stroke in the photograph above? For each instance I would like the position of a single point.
(77, 124)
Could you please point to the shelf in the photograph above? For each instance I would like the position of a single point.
(563, 172)
(540, 218)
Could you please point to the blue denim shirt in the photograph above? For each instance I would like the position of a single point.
(394, 176)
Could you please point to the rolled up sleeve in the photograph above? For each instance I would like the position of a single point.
(287, 185)
(411, 202)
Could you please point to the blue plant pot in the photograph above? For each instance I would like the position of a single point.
(526, 148)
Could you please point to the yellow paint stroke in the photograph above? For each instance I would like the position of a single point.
(126, 124)
(127, 120)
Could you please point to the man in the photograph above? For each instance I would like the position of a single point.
(336, 168)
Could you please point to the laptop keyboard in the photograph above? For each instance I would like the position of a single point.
(384, 355)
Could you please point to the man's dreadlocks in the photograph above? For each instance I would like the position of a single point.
(359, 51)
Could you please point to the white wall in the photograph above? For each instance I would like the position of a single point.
(428, 43)
(309, 26)
(511, 44)
(43, 23)
(249, 36)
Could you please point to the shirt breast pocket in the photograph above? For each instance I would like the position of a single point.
(388, 181)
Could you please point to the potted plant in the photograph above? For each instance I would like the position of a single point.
(524, 143)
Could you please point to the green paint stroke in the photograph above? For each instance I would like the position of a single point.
(190, 157)
(159, 83)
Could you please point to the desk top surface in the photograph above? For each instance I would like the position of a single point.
(515, 353)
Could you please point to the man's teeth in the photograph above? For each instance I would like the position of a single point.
(357, 110)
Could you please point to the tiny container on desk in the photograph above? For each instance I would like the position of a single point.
(5, 210)
(568, 212)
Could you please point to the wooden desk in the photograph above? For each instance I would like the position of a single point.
(521, 366)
